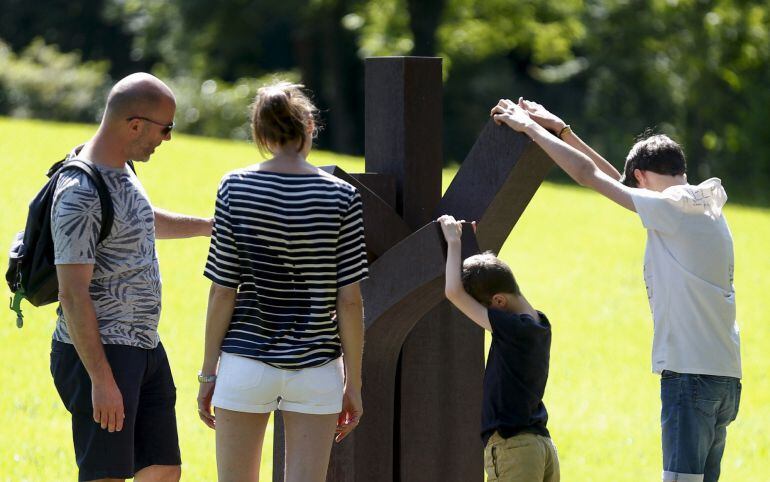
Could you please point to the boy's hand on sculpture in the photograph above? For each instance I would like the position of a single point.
(542, 116)
(509, 113)
(452, 229)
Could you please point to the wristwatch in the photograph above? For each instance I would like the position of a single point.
(206, 378)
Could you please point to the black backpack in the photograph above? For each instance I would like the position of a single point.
(31, 271)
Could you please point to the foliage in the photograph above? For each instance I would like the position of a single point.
(472, 31)
(576, 256)
(79, 26)
(544, 30)
(696, 69)
(236, 39)
(217, 108)
(42, 82)
(384, 28)
(207, 107)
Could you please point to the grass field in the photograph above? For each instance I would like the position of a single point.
(577, 257)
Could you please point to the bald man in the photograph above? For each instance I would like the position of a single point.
(107, 362)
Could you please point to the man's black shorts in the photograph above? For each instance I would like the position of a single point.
(149, 435)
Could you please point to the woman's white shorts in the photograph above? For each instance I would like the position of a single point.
(248, 385)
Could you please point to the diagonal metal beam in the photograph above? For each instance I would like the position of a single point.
(404, 284)
(495, 183)
(383, 227)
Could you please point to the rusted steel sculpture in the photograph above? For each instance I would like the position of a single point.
(423, 360)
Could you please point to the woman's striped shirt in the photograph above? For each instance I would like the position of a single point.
(287, 242)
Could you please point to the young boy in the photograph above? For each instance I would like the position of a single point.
(518, 446)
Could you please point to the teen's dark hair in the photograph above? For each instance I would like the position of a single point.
(657, 153)
(280, 114)
(485, 275)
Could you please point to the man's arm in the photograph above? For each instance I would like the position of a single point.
(576, 164)
(350, 319)
(170, 225)
(454, 290)
(75, 298)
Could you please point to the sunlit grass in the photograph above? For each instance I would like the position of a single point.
(577, 257)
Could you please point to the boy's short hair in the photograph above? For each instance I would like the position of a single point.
(657, 153)
(484, 275)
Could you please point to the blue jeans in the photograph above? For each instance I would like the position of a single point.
(696, 410)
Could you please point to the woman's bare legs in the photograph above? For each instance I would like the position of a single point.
(239, 438)
(308, 445)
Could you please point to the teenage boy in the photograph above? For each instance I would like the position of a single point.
(688, 270)
(517, 444)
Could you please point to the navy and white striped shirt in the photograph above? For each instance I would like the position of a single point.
(287, 242)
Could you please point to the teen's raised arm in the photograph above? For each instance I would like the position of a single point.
(575, 163)
(555, 124)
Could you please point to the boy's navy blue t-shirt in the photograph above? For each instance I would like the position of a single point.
(515, 377)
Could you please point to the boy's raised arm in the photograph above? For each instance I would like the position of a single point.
(454, 290)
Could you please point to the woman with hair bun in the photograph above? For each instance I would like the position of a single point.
(284, 327)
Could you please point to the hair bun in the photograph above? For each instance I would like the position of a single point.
(281, 114)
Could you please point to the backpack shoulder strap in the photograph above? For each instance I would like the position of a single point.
(108, 212)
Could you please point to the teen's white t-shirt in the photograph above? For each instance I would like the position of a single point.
(688, 270)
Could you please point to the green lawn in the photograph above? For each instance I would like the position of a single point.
(576, 256)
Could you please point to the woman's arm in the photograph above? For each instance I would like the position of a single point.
(350, 319)
(218, 315)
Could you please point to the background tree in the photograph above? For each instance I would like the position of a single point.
(695, 69)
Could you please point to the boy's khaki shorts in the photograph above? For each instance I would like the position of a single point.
(525, 457)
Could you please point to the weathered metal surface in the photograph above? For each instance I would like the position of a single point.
(423, 359)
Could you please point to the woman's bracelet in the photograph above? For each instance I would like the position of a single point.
(206, 378)
(564, 129)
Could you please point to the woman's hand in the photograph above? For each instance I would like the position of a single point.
(352, 410)
(205, 412)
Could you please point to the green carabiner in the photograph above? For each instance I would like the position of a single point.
(16, 307)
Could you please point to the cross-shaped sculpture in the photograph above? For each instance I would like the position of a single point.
(423, 360)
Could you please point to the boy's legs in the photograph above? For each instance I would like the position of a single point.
(696, 410)
(552, 469)
(522, 458)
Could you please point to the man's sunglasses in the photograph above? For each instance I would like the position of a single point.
(167, 128)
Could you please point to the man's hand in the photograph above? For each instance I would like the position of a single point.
(452, 229)
(542, 116)
(205, 392)
(352, 410)
(509, 113)
(108, 405)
